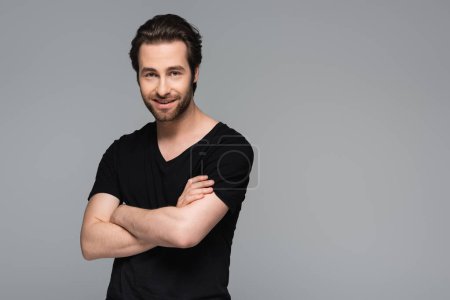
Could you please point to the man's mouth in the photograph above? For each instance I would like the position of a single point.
(165, 101)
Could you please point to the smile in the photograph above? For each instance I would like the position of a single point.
(164, 101)
(164, 104)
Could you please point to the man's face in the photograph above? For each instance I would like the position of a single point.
(164, 76)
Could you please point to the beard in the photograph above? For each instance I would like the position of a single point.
(182, 103)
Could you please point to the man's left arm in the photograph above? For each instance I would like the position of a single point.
(179, 227)
(186, 226)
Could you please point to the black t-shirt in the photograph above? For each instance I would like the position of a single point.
(133, 170)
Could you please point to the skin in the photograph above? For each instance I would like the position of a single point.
(167, 84)
(113, 230)
(184, 124)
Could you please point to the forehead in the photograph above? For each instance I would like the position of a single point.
(163, 55)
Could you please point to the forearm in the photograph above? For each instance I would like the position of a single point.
(107, 240)
(162, 226)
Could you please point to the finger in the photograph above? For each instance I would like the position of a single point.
(192, 181)
(197, 191)
(193, 198)
(198, 178)
(205, 183)
(206, 190)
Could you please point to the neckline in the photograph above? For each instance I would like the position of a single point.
(176, 158)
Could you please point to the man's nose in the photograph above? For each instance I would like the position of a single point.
(163, 87)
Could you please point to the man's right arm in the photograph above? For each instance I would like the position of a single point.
(100, 238)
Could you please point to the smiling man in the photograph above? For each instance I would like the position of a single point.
(166, 197)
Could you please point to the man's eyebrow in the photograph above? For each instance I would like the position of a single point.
(172, 68)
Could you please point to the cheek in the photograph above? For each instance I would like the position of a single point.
(146, 88)
(184, 86)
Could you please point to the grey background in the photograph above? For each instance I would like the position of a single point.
(346, 101)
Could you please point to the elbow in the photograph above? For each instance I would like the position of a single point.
(186, 242)
(87, 249)
(186, 237)
(86, 255)
(86, 252)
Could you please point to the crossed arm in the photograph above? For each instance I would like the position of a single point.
(110, 230)
(172, 226)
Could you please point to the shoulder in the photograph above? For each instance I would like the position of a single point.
(227, 140)
(131, 141)
(228, 135)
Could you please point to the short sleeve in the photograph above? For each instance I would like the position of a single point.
(106, 179)
(229, 164)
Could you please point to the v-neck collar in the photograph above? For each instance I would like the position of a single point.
(157, 151)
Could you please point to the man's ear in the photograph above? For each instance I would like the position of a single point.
(196, 73)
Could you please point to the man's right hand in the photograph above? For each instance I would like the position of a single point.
(195, 189)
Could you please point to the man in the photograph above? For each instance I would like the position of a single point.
(166, 198)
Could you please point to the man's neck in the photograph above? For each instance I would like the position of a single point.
(187, 123)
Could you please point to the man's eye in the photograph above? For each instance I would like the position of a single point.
(150, 75)
(175, 73)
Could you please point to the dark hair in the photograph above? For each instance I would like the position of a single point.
(168, 28)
